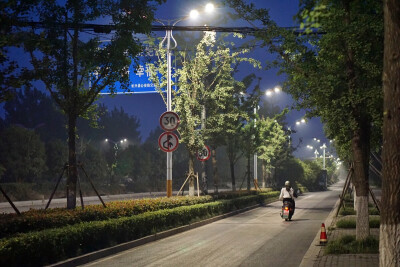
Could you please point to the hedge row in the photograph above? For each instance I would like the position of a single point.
(351, 223)
(35, 220)
(52, 245)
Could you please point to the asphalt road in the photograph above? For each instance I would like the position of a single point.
(258, 237)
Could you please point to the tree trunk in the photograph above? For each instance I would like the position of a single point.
(191, 174)
(360, 151)
(263, 172)
(204, 163)
(248, 173)
(232, 168)
(204, 178)
(389, 238)
(72, 168)
(215, 168)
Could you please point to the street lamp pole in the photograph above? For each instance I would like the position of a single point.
(323, 147)
(268, 93)
(255, 154)
(168, 37)
(316, 154)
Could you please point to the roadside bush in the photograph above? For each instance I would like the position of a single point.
(351, 223)
(347, 211)
(52, 245)
(35, 220)
(351, 211)
(349, 245)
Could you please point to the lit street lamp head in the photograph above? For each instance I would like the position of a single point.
(209, 8)
(194, 14)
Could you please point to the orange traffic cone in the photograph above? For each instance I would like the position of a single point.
(323, 239)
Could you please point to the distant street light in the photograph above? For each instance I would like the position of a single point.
(120, 142)
(323, 147)
(316, 153)
(270, 92)
(168, 37)
(301, 121)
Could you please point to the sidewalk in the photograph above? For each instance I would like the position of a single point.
(315, 255)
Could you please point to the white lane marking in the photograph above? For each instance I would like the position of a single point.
(306, 197)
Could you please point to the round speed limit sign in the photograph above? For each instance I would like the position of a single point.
(204, 153)
(169, 121)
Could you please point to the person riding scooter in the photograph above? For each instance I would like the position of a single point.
(288, 195)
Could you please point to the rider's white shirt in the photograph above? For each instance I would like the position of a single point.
(286, 194)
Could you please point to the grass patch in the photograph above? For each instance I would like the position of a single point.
(349, 245)
(350, 211)
(347, 211)
(351, 223)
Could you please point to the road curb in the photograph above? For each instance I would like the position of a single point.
(314, 249)
(89, 257)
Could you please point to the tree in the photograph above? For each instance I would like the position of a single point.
(66, 59)
(205, 81)
(33, 109)
(114, 124)
(22, 155)
(272, 139)
(238, 109)
(57, 156)
(348, 99)
(389, 238)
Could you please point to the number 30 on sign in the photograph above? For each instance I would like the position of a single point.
(169, 121)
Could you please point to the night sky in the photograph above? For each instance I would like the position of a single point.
(148, 107)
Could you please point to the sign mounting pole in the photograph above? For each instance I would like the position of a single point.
(169, 154)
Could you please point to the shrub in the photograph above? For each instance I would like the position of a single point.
(52, 245)
(351, 211)
(351, 223)
(347, 211)
(349, 245)
(34, 220)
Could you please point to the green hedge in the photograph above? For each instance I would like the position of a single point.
(348, 244)
(35, 220)
(351, 211)
(52, 245)
(351, 223)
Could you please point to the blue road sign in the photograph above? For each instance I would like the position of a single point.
(139, 76)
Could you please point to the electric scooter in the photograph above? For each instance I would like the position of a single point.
(287, 211)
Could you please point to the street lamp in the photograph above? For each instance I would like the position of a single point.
(301, 121)
(316, 153)
(167, 38)
(323, 147)
(270, 92)
(107, 140)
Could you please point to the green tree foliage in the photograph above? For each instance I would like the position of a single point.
(272, 139)
(56, 157)
(348, 99)
(33, 109)
(94, 164)
(205, 83)
(116, 124)
(22, 155)
(349, 56)
(65, 58)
